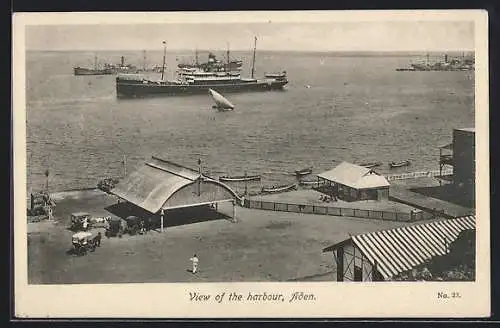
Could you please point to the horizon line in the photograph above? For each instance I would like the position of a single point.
(268, 50)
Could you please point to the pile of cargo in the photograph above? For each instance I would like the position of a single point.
(107, 184)
(41, 207)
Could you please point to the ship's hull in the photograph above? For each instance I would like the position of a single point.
(133, 89)
(88, 71)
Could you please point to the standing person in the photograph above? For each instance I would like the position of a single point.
(195, 261)
(85, 224)
(97, 239)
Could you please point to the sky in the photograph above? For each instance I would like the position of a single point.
(307, 36)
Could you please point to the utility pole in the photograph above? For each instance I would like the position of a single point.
(124, 161)
(124, 165)
(47, 180)
(199, 177)
(246, 184)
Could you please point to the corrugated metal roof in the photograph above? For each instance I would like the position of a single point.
(401, 249)
(153, 183)
(173, 168)
(467, 129)
(355, 176)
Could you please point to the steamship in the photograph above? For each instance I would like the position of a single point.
(199, 78)
(107, 69)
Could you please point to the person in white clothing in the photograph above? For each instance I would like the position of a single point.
(195, 261)
(85, 224)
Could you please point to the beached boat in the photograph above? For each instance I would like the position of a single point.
(221, 103)
(371, 164)
(399, 164)
(281, 188)
(238, 178)
(308, 183)
(303, 172)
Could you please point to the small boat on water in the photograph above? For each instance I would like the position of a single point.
(280, 188)
(238, 178)
(370, 165)
(303, 172)
(399, 164)
(221, 103)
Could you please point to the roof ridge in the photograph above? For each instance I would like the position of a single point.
(172, 163)
(169, 171)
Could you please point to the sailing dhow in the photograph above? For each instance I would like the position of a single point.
(221, 103)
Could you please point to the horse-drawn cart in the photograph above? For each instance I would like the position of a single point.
(80, 221)
(83, 242)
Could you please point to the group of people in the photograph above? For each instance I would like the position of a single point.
(328, 199)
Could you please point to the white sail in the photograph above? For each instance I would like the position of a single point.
(221, 102)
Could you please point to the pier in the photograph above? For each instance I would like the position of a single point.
(428, 204)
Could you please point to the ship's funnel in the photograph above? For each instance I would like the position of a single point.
(123, 61)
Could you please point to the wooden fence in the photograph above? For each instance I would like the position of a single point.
(421, 174)
(336, 211)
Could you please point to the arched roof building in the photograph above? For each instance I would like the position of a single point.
(161, 184)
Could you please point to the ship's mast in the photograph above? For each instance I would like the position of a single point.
(228, 61)
(144, 62)
(196, 56)
(253, 60)
(164, 54)
(95, 62)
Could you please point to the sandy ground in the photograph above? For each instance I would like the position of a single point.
(309, 196)
(260, 246)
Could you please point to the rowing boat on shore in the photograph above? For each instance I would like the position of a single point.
(399, 164)
(281, 188)
(303, 172)
(371, 164)
(309, 183)
(238, 178)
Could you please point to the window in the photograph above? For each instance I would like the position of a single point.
(358, 273)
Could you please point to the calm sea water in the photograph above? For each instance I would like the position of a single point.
(356, 109)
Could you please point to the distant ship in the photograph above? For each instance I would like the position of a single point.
(92, 71)
(198, 78)
(455, 64)
(108, 69)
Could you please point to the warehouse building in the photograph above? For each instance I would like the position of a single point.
(352, 182)
(160, 187)
(381, 255)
